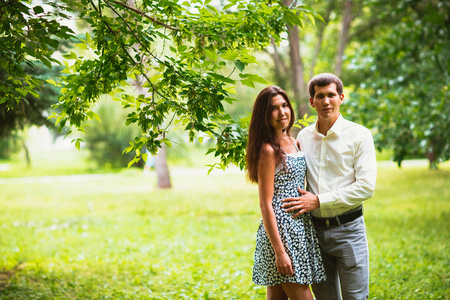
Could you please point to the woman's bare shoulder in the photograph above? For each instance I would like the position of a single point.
(267, 150)
(267, 157)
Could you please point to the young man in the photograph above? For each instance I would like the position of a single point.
(341, 174)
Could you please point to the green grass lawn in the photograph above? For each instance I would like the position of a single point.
(116, 236)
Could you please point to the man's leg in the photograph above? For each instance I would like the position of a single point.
(353, 263)
(329, 289)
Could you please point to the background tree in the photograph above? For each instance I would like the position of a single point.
(31, 110)
(106, 140)
(306, 53)
(400, 73)
(395, 54)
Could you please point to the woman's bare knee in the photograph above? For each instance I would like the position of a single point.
(297, 291)
(276, 292)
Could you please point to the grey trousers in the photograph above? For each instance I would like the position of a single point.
(346, 260)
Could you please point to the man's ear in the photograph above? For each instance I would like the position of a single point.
(342, 98)
(311, 102)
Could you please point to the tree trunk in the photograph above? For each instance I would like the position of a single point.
(347, 18)
(320, 33)
(280, 67)
(298, 82)
(432, 155)
(162, 171)
(27, 154)
(161, 168)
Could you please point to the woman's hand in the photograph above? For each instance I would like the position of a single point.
(284, 264)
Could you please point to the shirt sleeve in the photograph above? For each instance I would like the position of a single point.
(363, 187)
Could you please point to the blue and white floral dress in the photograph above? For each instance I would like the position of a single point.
(298, 235)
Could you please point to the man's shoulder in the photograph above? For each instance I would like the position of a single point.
(350, 125)
(308, 129)
(355, 132)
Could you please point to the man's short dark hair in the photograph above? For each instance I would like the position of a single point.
(324, 79)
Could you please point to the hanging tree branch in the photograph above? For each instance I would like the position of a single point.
(186, 79)
(154, 20)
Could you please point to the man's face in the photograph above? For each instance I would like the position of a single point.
(327, 101)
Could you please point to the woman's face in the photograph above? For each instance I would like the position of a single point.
(280, 113)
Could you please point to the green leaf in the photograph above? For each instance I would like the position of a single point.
(38, 9)
(71, 55)
(133, 161)
(292, 18)
(265, 8)
(312, 19)
(230, 55)
(144, 157)
(212, 8)
(211, 54)
(128, 149)
(221, 77)
(33, 93)
(53, 43)
(248, 59)
(77, 142)
(52, 82)
(248, 83)
(45, 61)
(240, 65)
(253, 77)
(229, 5)
(92, 115)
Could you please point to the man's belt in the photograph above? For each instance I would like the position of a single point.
(338, 220)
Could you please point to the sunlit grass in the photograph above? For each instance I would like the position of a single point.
(409, 234)
(116, 236)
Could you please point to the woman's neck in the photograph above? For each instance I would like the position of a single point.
(281, 136)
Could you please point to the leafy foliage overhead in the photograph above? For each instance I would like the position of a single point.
(27, 34)
(188, 56)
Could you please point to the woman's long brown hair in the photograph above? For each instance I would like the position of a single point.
(260, 132)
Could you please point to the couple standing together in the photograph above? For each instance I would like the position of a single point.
(311, 192)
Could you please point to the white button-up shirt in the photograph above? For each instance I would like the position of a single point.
(341, 166)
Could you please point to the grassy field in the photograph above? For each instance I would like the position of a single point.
(115, 236)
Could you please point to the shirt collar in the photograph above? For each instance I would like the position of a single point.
(337, 127)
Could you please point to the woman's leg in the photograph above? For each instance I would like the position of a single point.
(297, 291)
(276, 292)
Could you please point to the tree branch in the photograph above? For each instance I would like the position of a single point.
(154, 20)
(141, 45)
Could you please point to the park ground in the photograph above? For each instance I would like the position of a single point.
(71, 231)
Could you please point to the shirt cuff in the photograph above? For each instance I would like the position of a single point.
(326, 200)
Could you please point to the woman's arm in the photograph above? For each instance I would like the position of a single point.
(266, 173)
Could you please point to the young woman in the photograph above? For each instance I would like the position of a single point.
(287, 255)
